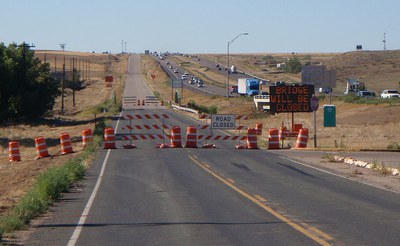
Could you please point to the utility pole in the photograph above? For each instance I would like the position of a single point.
(384, 41)
(73, 81)
(62, 88)
(122, 44)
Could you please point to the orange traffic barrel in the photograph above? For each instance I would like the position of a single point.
(41, 148)
(259, 127)
(142, 102)
(191, 137)
(273, 138)
(252, 138)
(176, 141)
(138, 102)
(13, 150)
(87, 137)
(302, 138)
(109, 138)
(66, 144)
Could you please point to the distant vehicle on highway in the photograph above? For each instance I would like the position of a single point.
(186, 73)
(390, 93)
(183, 76)
(193, 80)
(233, 69)
(248, 86)
(326, 90)
(176, 70)
(200, 83)
(366, 94)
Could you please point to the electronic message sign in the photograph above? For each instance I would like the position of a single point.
(290, 98)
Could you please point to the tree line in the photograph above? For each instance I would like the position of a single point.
(28, 88)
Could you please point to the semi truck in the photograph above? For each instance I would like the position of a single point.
(248, 86)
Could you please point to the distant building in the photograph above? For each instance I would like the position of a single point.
(318, 76)
(147, 52)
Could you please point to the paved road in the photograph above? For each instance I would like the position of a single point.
(223, 196)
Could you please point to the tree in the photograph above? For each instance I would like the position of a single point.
(293, 65)
(27, 88)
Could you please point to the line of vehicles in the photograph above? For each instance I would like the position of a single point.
(354, 86)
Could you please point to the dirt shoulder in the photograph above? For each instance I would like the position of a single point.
(367, 176)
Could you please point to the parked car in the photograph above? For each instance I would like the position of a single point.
(390, 93)
(366, 94)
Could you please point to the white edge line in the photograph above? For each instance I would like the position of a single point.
(78, 229)
(340, 176)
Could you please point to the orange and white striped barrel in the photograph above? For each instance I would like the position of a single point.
(13, 150)
(66, 144)
(176, 140)
(302, 138)
(259, 127)
(273, 138)
(252, 138)
(191, 137)
(87, 137)
(109, 138)
(41, 148)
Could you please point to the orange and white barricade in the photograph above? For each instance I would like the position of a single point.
(252, 138)
(176, 140)
(87, 137)
(13, 150)
(302, 138)
(66, 144)
(109, 138)
(41, 148)
(273, 138)
(191, 137)
(259, 127)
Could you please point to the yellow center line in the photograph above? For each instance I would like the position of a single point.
(309, 231)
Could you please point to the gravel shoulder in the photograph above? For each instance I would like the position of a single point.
(367, 176)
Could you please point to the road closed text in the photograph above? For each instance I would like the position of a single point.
(223, 121)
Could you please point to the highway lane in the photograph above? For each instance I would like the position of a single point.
(220, 196)
(209, 89)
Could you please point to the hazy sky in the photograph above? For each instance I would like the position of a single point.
(202, 26)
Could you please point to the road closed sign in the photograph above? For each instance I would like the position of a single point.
(223, 121)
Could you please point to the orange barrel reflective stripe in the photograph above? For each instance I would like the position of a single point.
(273, 138)
(87, 137)
(176, 141)
(13, 150)
(259, 127)
(302, 138)
(191, 137)
(41, 147)
(109, 138)
(66, 144)
(282, 133)
(252, 138)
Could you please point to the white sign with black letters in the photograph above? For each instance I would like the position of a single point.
(223, 121)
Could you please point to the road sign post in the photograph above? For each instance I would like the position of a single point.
(314, 104)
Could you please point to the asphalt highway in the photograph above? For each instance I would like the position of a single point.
(221, 196)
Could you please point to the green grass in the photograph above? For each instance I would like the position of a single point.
(49, 187)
